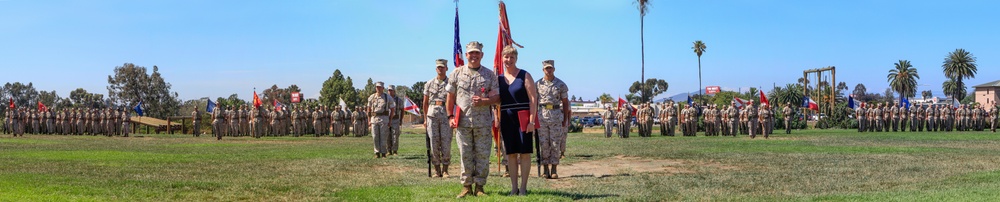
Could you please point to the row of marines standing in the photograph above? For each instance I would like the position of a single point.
(881, 117)
(295, 121)
(67, 121)
(725, 121)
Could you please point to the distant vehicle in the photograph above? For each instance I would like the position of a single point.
(816, 117)
(599, 121)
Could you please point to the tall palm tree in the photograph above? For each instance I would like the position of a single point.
(959, 65)
(903, 79)
(643, 6)
(699, 48)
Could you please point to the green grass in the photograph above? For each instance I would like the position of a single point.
(823, 165)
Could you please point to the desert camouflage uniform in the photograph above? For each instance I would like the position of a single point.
(437, 121)
(379, 104)
(473, 132)
(552, 134)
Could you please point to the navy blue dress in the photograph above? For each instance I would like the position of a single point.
(514, 98)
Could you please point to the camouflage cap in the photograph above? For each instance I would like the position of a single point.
(442, 63)
(548, 63)
(474, 46)
(379, 84)
(392, 87)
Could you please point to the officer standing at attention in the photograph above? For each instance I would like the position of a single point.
(436, 119)
(379, 104)
(474, 89)
(554, 118)
(787, 113)
(609, 118)
(195, 122)
(395, 120)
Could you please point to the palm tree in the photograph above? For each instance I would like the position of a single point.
(926, 94)
(643, 6)
(959, 65)
(903, 79)
(953, 88)
(699, 48)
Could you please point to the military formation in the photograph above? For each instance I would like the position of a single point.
(295, 121)
(713, 120)
(67, 121)
(885, 117)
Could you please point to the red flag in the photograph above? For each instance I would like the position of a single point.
(621, 102)
(763, 98)
(256, 100)
(41, 107)
(11, 103)
(503, 39)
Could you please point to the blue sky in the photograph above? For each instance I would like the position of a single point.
(216, 48)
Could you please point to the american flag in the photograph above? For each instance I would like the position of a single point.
(458, 42)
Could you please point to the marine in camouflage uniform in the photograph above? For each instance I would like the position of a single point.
(395, 120)
(993, 117)
(475, 89)
(379, 104)
(753, 119)
(554, 112)
(786, 113)
(196, 123)
(436, 119)
(608, 116)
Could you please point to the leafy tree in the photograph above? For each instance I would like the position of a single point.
(131, 84)
(233, 101)
(363, 94)
(81, 98)
(926, 94)
(959, 65)
(724, 98)
(969, 99)
(337, 87)
(889, 96)
(49, 99)
(903, 79)
(23, 95)
(651, 89)
(416, 92)
(859, 92)
(282, 95)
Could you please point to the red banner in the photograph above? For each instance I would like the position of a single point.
(712, 90)
(296, 97)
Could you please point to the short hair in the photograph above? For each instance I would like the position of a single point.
(509, 50)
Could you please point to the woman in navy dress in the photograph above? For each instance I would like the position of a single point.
(517, 93)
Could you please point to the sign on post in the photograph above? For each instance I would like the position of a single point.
(296, 97)
(712, 90)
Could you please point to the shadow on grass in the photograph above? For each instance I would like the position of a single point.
(573, 196)
(599, 177)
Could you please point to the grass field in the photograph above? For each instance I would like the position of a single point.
(826, 165)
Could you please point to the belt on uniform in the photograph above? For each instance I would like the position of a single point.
(550, 106)
(437, 103)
